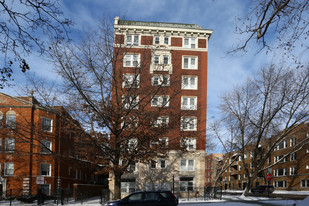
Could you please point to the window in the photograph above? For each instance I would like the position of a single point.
(189, 82)
(133, 40)
(156, 40)
(280, 184)
(165, 60)
(10, 119)
(188, 124)
(156, 59)
(189, 62)
(304, 183)
(164, 141)
(45, 189)
(130, 122)
(46, 147)
(186, 165)
(162, 164)
(161, 121)
(188, 103)
(47, 124)
(189, 43)
(186, 184)
(239, 168)
(292, 170)
(131, 167)
(153, 164)
(277, 158)
(307, 151)
(45, 169)
(293, 156)
(1, 119)
(166, 40)
(160, 101)
(130, 102)
(161, 59)
(131, 81)
(9, 144)
(280, 172)
(190, 143)
(8, 168)
(307, 167)
(293, 142)
(131, 60)
(128, 186)
(281, 145)
(132, 144)
(160, 80)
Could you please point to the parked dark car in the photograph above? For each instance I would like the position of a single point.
(147, 198)
(263, 189)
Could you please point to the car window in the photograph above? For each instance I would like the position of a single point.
(151, 196)
(135, 197)
(165, 194)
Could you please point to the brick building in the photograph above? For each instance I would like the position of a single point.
(174, 56)
(36, 148)
(289, 164)
(211, 168)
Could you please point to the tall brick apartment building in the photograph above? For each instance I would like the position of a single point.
(177, 55)
(289, 164)
(35, 148)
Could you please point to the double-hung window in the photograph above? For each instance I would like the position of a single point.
(160, 80)
(10, 119)
(46, 147)
(190, 143)
(166, 40)
(157, 40)
(8, 168)
(186, 184)
(45, 169)
(132, 40)
(161, 121)
(280, 172)
(186, 165)
(47, 124)
(293, 156)
(188, 103)
(9, 144)
(292, 170)
(189, 43)
(189, 62)
(130, 102)
(189, 82)
(160, 101)
(131, 81)
(131, 60)
(188, 124)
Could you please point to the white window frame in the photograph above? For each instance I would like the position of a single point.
(292, 141)
(190, 143)
(168, 40)
(187, 165)
(46, 127)
(8, 169)
(292, 170)
(128, 186)
(160, 121)
(189, 82)
(134, 40)
(43, 190)
(276, 184)
(189, 103)
(186, 185)
(9, 144)
(155, 38)
(281, 145)
(131, 80)
(163, 166)
(190, 43)
(160, 80)
(164, 140)
(46, 147)
(188, 123)
(153, 165)
(189, 64)
(130, 102)
(10, 120)
(47, 165)
(293, 156)
(132, 144)
(278, 171)
(304, 183)
(133, 60)
(160, 101)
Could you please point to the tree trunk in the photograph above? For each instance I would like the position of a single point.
(117, 187)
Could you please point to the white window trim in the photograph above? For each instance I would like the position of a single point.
(188, 142)
(51, 124)
(189, 46)
(188, 106)
(195, 67)
(131, 58)
(185, 120)
(46, 148)
(189, 86)
(186, 167)
(160, 80)
(132, 43)
(159, 102)
(49, 169)
(159, 121)
(132, 104)
(131, 80)
(6, 164)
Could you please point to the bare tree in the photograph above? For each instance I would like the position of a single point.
(115, 108)
(24, 27)
(275, 102)
(275, 24)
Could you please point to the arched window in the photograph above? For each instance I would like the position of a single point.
(10, 119)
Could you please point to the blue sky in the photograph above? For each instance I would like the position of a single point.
(224, 71)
